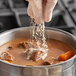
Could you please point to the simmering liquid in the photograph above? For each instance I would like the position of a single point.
(55, 49)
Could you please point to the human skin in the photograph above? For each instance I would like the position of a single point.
(41, 10)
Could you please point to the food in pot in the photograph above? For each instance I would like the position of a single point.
(16, 51)
(6, 56)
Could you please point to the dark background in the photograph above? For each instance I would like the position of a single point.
(13, 14)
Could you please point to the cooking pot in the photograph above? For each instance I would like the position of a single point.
(66, 68)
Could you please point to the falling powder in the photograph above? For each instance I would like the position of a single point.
(38, 35)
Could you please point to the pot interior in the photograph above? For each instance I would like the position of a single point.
(25, 32)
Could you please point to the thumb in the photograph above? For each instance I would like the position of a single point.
(49, 9)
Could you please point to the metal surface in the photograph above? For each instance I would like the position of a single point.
(66, 68)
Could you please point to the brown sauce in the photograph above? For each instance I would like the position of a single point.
(55, 49)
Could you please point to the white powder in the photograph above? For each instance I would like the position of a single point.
(38, 35)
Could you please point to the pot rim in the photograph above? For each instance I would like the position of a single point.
(49, 28)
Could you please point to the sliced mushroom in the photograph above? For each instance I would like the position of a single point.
(49, 62)
(6, 56)
(10, 47)
(46, 63)
(21, 45)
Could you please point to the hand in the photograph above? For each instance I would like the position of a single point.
(41, 10)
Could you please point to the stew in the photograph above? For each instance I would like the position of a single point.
(15, 52)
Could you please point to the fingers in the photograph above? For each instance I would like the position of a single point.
(49, 9)
(29, 11)
(48, 16)
(37, 10)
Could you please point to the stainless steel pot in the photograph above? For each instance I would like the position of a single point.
(66, 68)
